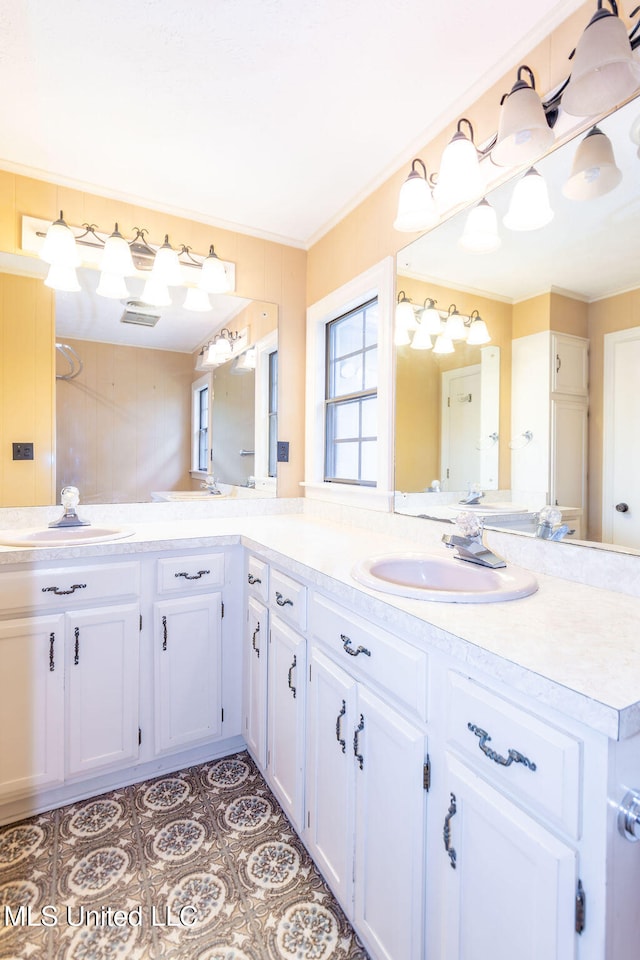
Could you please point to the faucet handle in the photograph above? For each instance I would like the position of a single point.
(469, 524)
(70, 498)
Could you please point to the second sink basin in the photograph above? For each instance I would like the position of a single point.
(426, 576)
(61, 536)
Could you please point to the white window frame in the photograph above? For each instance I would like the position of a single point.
(264, 347)
(378, 281)
(196, 387)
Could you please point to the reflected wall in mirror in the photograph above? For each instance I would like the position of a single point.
(545, 295)
(118, 425)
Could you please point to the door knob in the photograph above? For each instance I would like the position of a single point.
(622, 507)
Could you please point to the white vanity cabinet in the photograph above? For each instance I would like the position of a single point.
(255, 658)
(286, 717)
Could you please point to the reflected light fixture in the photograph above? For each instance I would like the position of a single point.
(197, 300)
(59, 247)
(116, 256)
(416, 209)
(523, 131)
(62, 278)
(430, 320)
(166, 266)
(443, 345)
(213, 276)
(405, 317)
(113, 286)
(480, 233)
(478, 334)
(156, 293)
(604, 70)
(422, 338)
(459, 177)
(454, 327)
(529, 208)
(594, 172)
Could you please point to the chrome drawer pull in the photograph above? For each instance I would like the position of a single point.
(253, 640)
(196, 576)
(164, 634)
(514, 755)
(446, 831)
(251, 579)
(52, 640)
(280, 600)
(343, 743)
(291, 669)
(64, 593)
(76, 651)
(346, 646)
(358, 731)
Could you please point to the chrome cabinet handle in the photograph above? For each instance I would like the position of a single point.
(343, 743)
(289, 684)
(253, 640)
(64, 593)
(446, 831)
(356, 735)
(558, 362)
(52, 640)
(164, 634)
(196, 576)
(514, 755)
(76, 652)
(280, 600)
(251, 579)
(346, 646)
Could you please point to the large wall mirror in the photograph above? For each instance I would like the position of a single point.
(577, 278)
(125, 418)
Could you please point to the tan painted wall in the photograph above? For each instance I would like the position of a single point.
(568, 315)
(27, 385)
(532, 316)
(124, 424)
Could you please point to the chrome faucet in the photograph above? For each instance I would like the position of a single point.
(472, 549)
(211, 484)
(70, 498)
(547, 528)
(474, 494)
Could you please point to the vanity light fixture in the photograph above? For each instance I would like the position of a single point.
(416, 209)
(478, 333)
(443, 345)
(113, 286)
(155, 293)
(197, 300)
(62, 278)
(529, 208)
(430, 319)
(524, 133)
(459, 177)
(454, 325)
(166, 266)
(59, 248)
(213, 276)
(405, 317)
(421, 339)
(221, 348)
(594, 171)
(480, 234)
(116, 256)
(604, 70)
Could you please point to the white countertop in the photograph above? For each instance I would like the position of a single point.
(574, 647)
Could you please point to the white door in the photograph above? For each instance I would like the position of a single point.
(31, 705)
(285, 738)
(187, 655)
(460, 427)
(102, 654)
(509, 884)
(330, 769)
(256, 652)
(621, 466)
(390, 828)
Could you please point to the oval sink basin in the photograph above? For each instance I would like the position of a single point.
(426, 576)
(61, 536)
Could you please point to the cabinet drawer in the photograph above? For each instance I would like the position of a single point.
(522, 755)
(190, 573)
(258, 579)
(60, 588)
(289, 598)
(371, 653)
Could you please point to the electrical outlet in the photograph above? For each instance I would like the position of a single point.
(23, 451)
(283, 451)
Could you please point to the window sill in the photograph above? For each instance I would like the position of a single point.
(370, 498)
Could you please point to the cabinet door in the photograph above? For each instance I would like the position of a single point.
(187, 655)
(102, 653)
(31, 704)
(256, 652)
(509, 884)
(286, 714)
(390, 831)
(569, 441)
(570, 371)
(329, 784)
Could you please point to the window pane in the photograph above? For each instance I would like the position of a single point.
(346, 376)
(347, 460)
(371, 369)
(347, 420)
(369, 417)
(347, 335)
(371, 325)
(369, 452)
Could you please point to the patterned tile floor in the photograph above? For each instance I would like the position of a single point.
(200, 864)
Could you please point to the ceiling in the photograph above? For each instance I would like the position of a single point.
(272, 117)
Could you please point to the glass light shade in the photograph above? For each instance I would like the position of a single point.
(62, 278)
(405, 317)
(197, 300)
(421, 339)
(166, 266)
(213, 276)
(443, 345)
(401, 337)
(604, 71)
(60, 246)
(112, 285)
(223, 350)
(116, 256)
(431, 321)
(478, 333)
(523, 131)
(594, 171)
(416, 209)
(155, 293)
(480, 233)
(454, 328)
(529, 208)
(459, 177)
(211, 357)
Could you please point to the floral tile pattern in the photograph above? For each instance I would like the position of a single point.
(199, 864)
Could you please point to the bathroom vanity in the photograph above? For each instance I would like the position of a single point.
(455, 770)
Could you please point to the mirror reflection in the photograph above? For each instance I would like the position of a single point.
(562, 303)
